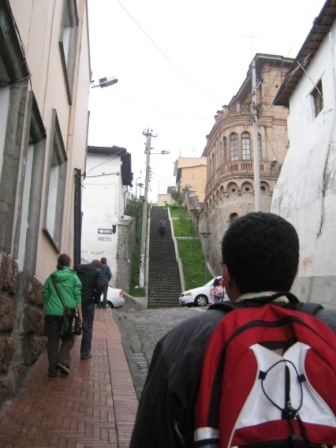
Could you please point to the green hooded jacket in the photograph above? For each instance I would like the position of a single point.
(69, 287)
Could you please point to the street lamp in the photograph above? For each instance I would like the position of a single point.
(148, 134)
(107, 81)
(205, 235)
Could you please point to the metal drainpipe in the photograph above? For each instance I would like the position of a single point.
(77, 217)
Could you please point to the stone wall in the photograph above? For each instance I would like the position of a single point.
(126, 244)
(21, 331)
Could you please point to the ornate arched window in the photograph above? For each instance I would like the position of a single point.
(246, 146)
(234, 146)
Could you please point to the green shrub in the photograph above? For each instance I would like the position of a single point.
(190, 252)
(183, 227)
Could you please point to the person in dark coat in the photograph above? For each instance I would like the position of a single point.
(92, 285)
(107, 275)
(260, 254)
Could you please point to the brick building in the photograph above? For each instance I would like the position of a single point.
(229, 190)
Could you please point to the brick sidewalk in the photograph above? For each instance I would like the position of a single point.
(93, 407)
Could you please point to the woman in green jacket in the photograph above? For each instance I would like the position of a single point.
(69, 287)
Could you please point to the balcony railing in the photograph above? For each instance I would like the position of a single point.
(240, 168)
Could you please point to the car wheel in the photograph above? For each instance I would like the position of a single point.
(110, 304)
(201, 300)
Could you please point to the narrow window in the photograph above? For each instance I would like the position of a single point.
(259, 146)
(233, 217)
(32, 186)
(246, 146)
(317, 95)
(68, 42)
(234, 146)
(225, 149)
(56, 187)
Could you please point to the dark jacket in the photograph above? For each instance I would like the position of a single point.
(106, 273)
(92, 283)
(166, 410)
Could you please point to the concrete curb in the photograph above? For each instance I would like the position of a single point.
(134, 303)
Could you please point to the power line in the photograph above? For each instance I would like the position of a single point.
(166, 56)
(179, 117)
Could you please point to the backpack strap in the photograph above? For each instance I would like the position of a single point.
(309, 308)
(294, 303)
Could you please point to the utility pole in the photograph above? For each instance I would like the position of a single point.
(256, 164)
(148, 134)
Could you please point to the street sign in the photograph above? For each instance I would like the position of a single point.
(105, 231)
(104, 238)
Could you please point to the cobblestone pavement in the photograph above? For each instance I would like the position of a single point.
(140, 331)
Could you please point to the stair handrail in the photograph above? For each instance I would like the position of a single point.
(147, 252)
(178, 259)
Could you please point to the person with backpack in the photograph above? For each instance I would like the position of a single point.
(92, 286)
(62, 285)
(106, 275)
(258, 370)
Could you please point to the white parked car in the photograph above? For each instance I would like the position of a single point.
(197, 296)
(115, 298)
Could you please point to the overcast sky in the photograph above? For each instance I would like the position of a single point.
(178, 62)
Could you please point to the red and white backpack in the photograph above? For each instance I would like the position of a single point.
(268, 379)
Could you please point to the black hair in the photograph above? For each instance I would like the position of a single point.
(261, 251)
(216, 282)
(96, 263)
(63, 261)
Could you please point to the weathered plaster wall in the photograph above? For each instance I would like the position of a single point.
(305, 193)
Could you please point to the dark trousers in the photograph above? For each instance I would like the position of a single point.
(105, 287)
(58, 347)
(88, 312)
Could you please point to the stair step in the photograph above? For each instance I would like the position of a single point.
(164, 283)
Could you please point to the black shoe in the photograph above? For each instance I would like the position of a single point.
(88, 356)
(64, 369)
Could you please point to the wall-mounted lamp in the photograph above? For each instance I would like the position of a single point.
(105, 82)
(274, 163)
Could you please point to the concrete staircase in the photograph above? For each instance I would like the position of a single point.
(164, 284)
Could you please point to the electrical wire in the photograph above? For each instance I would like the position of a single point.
(167, 57)
(179, 117)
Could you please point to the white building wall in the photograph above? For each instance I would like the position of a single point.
(305, 193)
(103, 208)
